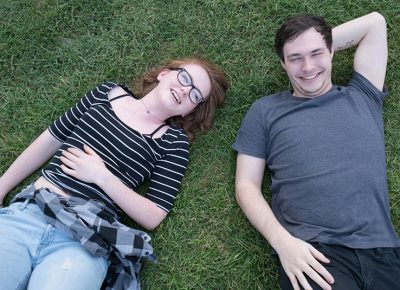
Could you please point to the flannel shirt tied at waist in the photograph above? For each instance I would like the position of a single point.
(99, 231)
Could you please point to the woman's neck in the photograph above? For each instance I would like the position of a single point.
(151, 105)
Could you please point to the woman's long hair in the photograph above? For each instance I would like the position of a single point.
(202, 117)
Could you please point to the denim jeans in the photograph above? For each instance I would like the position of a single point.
(35, 255)
(355, 269)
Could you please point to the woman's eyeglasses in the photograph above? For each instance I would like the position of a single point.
(185, 80)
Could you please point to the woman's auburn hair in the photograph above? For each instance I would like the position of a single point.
(202, 117)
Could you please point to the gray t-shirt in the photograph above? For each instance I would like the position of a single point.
(327, 161)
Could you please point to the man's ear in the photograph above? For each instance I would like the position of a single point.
(332, 53)
(282, 64)
(162, 74)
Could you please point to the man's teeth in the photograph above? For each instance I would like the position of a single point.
(310, 77)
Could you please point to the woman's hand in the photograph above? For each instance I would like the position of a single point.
(84, 165)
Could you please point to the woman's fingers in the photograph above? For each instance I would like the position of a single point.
(67, 170)
(67, 162)
(88, 150)
(75, 151)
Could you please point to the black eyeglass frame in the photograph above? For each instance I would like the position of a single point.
(180, 70)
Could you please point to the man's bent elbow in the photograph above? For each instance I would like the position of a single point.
(240, 193)
(378, 18)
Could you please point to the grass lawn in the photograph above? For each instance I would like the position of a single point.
(52, 52)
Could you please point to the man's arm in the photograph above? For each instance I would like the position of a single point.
(297, 257)
(368, 33)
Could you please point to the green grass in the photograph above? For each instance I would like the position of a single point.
(52, 52)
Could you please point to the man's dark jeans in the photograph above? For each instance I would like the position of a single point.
(354, 269)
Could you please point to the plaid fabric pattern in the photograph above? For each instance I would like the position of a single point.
(99, 231)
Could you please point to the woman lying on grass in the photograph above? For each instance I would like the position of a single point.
(63, 231)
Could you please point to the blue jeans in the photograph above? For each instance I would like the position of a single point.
(35, 255)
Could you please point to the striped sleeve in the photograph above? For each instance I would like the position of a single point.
(66, 123)
(167, 175)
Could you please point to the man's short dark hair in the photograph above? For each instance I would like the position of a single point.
(296, 25)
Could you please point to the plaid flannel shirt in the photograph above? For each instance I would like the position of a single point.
(99, 231)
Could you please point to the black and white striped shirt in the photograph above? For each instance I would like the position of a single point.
(131, 156)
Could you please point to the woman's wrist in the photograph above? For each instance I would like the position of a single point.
(104, 179)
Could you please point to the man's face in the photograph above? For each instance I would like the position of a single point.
(308, 63)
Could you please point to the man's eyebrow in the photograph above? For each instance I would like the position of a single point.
(318, 50)
(321, 49)
(294, 55)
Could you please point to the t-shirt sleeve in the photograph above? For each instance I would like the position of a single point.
(251, 139)
(363, 85)
(66, 123)
(167, 175)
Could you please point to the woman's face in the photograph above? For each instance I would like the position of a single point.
(182, 89)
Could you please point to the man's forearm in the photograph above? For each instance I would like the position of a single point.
(259, 213)
(368, 33)
(350, 33)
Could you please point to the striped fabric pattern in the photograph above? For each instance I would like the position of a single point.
(131, 156)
